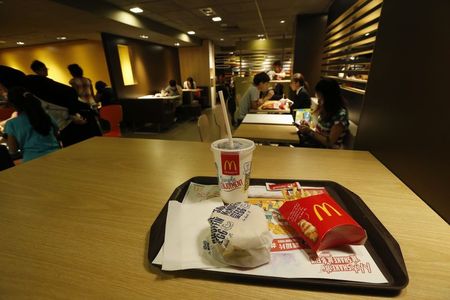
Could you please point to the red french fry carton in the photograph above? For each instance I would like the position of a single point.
(322, 223)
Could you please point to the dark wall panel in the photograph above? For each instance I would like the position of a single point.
(153, 66)
(405, 119)
(308, 45)
(338, 8)
(354, 105)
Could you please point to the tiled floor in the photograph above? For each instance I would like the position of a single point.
(182, 131)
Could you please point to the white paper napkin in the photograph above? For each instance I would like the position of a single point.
(186, 228)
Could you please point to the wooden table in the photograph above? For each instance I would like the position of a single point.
(269, 111)
(74, 224)
(159, 97)
(270, 119)
(268, 133)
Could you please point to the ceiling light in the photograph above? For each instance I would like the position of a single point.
(207, 11)
(282, 21)
(221, 39)
(231, 53)
(61, 38)
(217, 19)
(144, 36)
(260, 35)
(367, 34)
(177, 44)
(136, 10)
(191, 32)
(20, 43)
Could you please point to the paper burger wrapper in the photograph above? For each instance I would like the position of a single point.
(322, 223)
(240, 235)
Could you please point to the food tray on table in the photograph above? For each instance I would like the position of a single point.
(383, 248)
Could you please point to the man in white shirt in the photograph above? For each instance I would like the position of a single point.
(173, 89)
(277, 73)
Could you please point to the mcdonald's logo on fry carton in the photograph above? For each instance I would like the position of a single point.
(325, 206)
(230, 163)
(322, 223)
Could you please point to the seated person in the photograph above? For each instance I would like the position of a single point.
(277, 72)
(173, 89)
(105, 94)
(33, 131)
(332, 125)
(251, 99)
(299, 93)
(189, 84)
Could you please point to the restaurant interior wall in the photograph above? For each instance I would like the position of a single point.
(404, 121)
(153, 66)
(309, 34)
(337, 8)
(194, 62)
(57, 56)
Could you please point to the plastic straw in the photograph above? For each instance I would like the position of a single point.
(225, 117)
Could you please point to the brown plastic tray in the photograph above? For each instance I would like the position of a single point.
(383, 248)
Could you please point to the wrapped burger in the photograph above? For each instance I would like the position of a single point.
(240, 235)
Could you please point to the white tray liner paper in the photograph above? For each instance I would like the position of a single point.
(187, 226)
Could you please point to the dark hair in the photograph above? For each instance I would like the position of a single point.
(277, 63)
(261, 78)
(173, 83)
(26, 102)
(191, 81)
(100, 85)
(75, 70)
(298, 78)
(37, 65)
(332, 98)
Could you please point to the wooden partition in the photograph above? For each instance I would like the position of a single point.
(348, 49)
(309, 37)
(194, 62)
(404, 121)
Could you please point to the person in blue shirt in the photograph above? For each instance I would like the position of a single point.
(32, 131)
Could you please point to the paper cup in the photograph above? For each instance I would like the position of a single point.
(233, 168)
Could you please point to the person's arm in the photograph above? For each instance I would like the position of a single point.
(92, 91)
(78, 119)
(326, 140)
(180, 90)
(269, 95)
(12, 143)
(255, 103)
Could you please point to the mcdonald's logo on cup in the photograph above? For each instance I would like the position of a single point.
(324, 207)
(230, 163)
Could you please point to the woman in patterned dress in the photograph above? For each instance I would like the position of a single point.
(332, 118)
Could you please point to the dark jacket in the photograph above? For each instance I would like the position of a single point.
(106, 97)
(301, 100)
